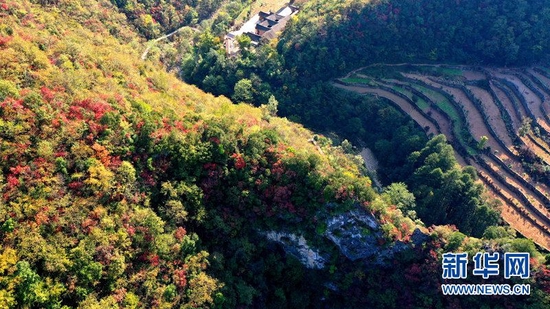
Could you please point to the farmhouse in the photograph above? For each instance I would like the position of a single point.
(264, 25)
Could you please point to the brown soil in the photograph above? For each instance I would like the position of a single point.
(533, 101)
(542, 153)
(540, 77)
(474, 117)
(492, 110)
(514, 213)
(473, 75)
(446, 127)
(478, 128)
(516, 122)
(531, 222)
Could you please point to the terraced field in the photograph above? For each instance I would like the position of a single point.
(510, 107)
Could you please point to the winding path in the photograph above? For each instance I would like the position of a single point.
(153, 42)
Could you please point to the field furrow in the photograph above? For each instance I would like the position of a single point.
(508, 106)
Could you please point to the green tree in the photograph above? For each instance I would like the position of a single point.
(243, 91)
(206, 42)
(482, 142)
(525, 127)
(496, 232)
(400, 196)
(524, 245)
(455, 241)
(28, 281)
(447, 194)
(272, 106)
(244, 41)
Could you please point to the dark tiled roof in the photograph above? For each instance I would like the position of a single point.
(274, 17)
(262, 27)
(270, 22)
(263, 14)
(272, 33)
(270, 25)
(254, 37)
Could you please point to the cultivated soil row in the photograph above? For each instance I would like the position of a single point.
(470, 104)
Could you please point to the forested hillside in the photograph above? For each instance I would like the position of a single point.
(349, 34)
(123, 187)
(153, 18)
(328, 38)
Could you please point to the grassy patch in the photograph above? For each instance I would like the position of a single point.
(423, 105)
(451, 72)
(403, 91)
(394, 72)
(257, 6)
(244, 16)
(441, 101)
(267, 5)
(359, 80)
(449, 109)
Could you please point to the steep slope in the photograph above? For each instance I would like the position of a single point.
(111, 167)
(123, 187)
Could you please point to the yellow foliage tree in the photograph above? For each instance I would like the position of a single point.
(100, 179)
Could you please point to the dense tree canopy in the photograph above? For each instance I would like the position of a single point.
(122, 187)
(153, 18)
(446, 194)
(329, 37)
